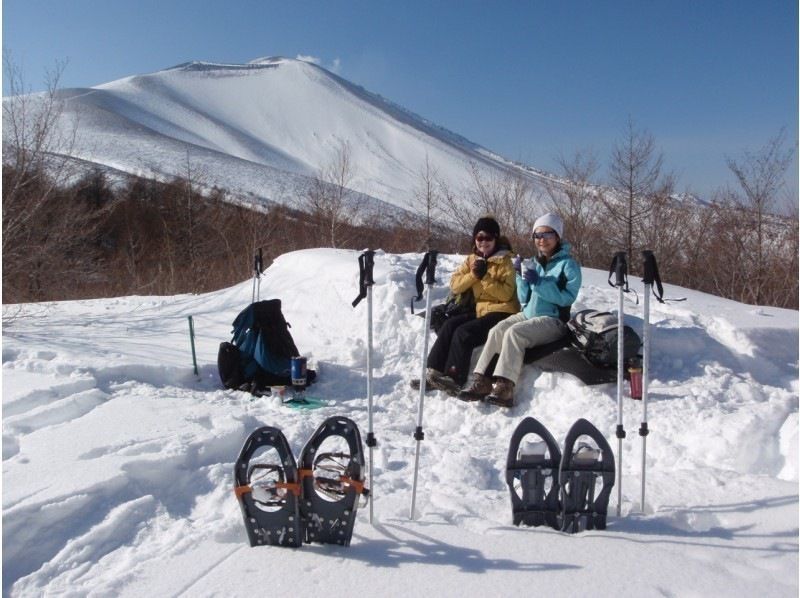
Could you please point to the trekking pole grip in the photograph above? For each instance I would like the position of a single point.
(430, 277)
(621, 268)
(650, 267)
(369, 264)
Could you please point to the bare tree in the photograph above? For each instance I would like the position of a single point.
(33, 149)
(507, 196)
(575, 197)
(760, 176)
(330, 199)
(44, 218)
(427, 199)
(638, 183)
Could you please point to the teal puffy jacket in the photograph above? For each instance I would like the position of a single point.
(558, 285)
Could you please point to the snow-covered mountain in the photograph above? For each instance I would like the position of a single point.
(118, 461)
(261, 129)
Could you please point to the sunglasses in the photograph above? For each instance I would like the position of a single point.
(483, 238)
(547, 235)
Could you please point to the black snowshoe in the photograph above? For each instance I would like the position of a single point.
(283, 505)
(555, 488)
(532, 476)
(583, 507)
(268, 492)
(332, 483)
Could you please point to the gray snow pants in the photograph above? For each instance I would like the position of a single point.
(510, 338)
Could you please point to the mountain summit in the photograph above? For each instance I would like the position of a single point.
(262, 129)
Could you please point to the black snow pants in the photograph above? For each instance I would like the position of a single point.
(457, 338)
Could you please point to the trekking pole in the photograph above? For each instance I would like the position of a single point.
(366, 261)
(255, 275)
(259, 272)
(650, 270)
(620, 267)
(428, 265)
(258, 268)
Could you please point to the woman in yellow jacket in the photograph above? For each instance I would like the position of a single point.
(488, 273)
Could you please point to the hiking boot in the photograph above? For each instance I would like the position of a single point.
(480, 387)
(502, 393)
(437, 380)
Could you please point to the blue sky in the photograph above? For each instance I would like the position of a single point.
(527, 79)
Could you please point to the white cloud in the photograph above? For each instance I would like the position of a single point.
(311, 59)
(335, 66)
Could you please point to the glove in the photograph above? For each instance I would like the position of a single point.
(479, 267)
(518, 264)
(531, 275)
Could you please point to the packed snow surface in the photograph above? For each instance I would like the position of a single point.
(117, 459)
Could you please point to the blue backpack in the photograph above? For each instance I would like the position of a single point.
(261, 350)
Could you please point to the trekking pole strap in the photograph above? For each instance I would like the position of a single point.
(619, 269)
(653, 278)
(427, 267)
(651, 275)
(366, 262)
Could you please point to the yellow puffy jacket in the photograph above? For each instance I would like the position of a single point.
(496, 291)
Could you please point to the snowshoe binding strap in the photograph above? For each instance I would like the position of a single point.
(582, 465)
(332, 483)
(534, 469)
(268, 493)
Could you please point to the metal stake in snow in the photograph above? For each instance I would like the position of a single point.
(258, 269)
(191, 340)
(620, 268)
(427, 266)
(650, 270)
(366, 261)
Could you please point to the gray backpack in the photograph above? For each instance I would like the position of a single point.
(594, 333)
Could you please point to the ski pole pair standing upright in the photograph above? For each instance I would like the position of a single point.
(652, 283)
(366, 263)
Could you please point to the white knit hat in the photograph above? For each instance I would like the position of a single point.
(551, 221)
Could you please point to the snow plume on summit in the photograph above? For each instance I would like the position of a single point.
(261, 129)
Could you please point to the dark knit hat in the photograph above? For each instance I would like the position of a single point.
(486, 224)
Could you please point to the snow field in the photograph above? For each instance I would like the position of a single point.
(117, 460)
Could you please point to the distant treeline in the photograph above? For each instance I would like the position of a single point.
(92, 238)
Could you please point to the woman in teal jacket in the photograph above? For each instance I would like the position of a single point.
(547, 285)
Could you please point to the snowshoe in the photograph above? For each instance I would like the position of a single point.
(583, 465)
(332, 483)
(532, 475)
(268, 489)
